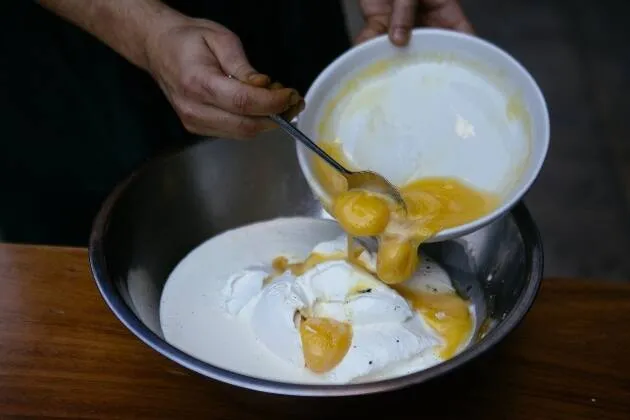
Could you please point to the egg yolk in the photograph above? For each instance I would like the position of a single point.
(282, 264)
(361, 213)
(396, 259)
(433, 204)
(436, 204)
(325, 343)
(332, 181)
(446, 313)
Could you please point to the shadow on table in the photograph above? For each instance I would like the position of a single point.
(468, 392)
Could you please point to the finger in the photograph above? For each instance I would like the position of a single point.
(229, 51)
(211, 121)
(402, 21)
(244, 99)
(374, 26)
(446, 14)
(294, 111)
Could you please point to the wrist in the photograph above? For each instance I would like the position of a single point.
(156, 19)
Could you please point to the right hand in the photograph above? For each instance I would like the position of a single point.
(191, 58)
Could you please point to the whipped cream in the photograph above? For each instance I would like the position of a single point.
(386, 330)
(208, 303)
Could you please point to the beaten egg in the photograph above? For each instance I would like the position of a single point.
(433, 204)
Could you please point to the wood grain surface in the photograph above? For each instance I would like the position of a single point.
(64, 355)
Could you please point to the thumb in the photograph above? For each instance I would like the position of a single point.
(228, 49)
(402, 21)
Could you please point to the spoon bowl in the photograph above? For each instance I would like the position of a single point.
(372, 181)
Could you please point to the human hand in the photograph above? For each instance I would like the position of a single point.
(191, 60)
(398, 17)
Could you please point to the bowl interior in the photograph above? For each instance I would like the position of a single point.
(173, 204)
(504, 71)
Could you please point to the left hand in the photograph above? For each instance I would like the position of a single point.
(398, 17)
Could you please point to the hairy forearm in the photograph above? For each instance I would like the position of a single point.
(124, 25)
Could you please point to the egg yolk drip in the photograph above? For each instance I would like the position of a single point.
(282, 264)
(325, 343)
(446, 313)
(361, 213)
(433, 204)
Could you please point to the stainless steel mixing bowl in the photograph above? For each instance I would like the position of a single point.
(171, 205)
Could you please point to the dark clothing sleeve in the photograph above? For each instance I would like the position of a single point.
(77, 118)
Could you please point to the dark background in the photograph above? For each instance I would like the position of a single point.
(576, 50)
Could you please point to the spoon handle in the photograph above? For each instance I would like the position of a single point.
(301, 137)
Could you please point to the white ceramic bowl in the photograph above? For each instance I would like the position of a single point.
(455, 45)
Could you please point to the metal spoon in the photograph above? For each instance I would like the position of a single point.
(368, 180)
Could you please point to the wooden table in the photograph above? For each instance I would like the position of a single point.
(63, 354)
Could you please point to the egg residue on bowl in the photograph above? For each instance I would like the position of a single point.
(313, 316)
(450, 139)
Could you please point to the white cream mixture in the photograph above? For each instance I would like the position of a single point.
(217, 306)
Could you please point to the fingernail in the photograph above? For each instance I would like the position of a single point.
(400, 36)
(258, 79)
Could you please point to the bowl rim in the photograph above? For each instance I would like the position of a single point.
(106, 285)
(536, 164)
